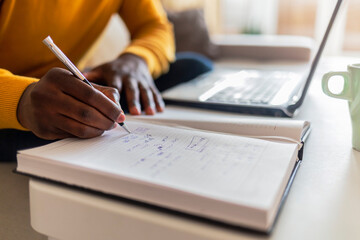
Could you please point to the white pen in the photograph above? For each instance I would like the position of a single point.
(66, 61)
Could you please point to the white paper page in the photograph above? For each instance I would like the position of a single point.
(228, 123)
(223, 167)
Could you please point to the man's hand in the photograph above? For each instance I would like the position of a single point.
(60, 105)
(129, 74)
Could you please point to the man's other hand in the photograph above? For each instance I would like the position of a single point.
(130, 75)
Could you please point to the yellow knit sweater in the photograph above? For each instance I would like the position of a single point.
(74, 26)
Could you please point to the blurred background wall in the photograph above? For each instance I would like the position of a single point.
(289, 17)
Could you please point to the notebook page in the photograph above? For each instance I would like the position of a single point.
(229, 168)
(244, 126)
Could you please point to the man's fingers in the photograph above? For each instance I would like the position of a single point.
(113, 94)
(76, 128)
(113, 81)
(94, 75)
(83, 113)
(90, 96)
(159, 102)
(132, 96)
(130, 75)
(57, 133)
(60, 105)
(147, 99)
(51, 132)
(109, 92)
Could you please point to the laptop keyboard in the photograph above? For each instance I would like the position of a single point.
(258, 90)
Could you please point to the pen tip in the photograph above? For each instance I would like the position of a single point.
(124, 127)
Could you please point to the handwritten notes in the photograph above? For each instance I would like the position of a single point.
(212, 164)
(168, 155)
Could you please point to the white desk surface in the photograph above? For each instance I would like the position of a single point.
(324, 201)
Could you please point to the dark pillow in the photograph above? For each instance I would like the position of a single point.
(191, 33)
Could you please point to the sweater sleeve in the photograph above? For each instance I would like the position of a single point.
(151, 33)
(11, 89)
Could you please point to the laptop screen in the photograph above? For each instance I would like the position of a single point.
(316, 58)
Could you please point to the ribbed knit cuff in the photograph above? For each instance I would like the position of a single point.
(11, 90)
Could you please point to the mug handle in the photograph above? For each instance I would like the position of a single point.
(345, 93)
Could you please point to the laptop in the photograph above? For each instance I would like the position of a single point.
(254, 91)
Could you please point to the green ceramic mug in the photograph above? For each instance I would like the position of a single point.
(351, 93)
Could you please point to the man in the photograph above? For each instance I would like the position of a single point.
(37, 95)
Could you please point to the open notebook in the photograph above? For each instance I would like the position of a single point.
(221, 176)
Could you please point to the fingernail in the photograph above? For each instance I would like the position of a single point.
(149, 111)
(134, 111)
(160, 108)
